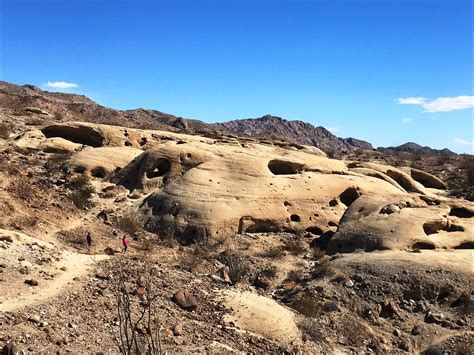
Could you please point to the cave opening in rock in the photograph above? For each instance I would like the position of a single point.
(461, 213)
(283, 167)
(160, 168)
(349, 195)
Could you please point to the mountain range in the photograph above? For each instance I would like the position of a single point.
(72, 107)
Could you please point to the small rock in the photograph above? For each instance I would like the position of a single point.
(167, 333)
(178, 329)
(389, 309)
(349, 283)
(34, 318)
(397, 333)
(63, 268)
(31, 282)
(185, 300)
(416, 330)
(437, 318)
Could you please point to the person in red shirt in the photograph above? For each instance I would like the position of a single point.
(125, 244)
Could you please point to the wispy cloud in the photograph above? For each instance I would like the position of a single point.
(60, 85)
(444, 104)
(441, 104)
(462, 141)
(412, 100)
(407, 119)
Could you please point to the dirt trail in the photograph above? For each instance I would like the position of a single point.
(70, 266)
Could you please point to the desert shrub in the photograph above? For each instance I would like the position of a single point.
(274, 252)
(21, 188)
(5, 130)
(322, 268)
(294, 246)
(311, 329)
(268, 272)
(130, 223)
(56, 161)
(307, 305)
(59, 116)
(24, 222)
(195, 256)
(82, 197)
(318, 253)
(75, 237)
(295, 275)
(237, 266)
(79, 181)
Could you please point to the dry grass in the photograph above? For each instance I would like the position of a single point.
(5, 130)
(130, 223)
(75, 237)
(21, 188)
(56, 161)
(237, 265)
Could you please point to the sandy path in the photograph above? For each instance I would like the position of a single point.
(76, 265)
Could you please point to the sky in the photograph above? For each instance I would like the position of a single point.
(386, 71)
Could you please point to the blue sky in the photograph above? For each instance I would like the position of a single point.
(340, 64)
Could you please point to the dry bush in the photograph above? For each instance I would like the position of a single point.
(22, 189)
(268, 272)
(5, 130)
(318, 253)
(82, 192)
(468, 164)
(322, 268)
(75, 237)
(295, 275)
(294, 246)
(307, 305)
(56, 161)
(311, 329)
(195, 256)
(138, 324)
(24, 222)
(130, 223)
(274, 252)
(238, 267)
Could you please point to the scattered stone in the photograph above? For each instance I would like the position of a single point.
(178, 329)
(397, 333)
(389, 309)
(436, 318)
(34, 318)
(349, 283)
(185, 300)
(416, 330)
(32, 282)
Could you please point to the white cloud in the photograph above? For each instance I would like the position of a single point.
(441, 104)
(463, 142)
(444, 104)
(60, 85)
(407, 119)
(412, 100)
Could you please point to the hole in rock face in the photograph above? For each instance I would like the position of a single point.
(461, 213)
(160, 168)
(286, 203)
(314, 230)
(99, 172)
(180, 142)
(82, 135)
(423, 245)
(143, 141)
(332, 224)
(433, 227)
(295, 218)
(333, 203)
(79, 169)
(128, 144)
(349, 196)
(465, 245)
(282, 167)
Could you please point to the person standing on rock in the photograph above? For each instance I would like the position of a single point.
(125, 244)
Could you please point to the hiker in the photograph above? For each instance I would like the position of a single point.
(125, 244)
(89, 241)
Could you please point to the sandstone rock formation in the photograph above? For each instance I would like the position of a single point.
(198, 188)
